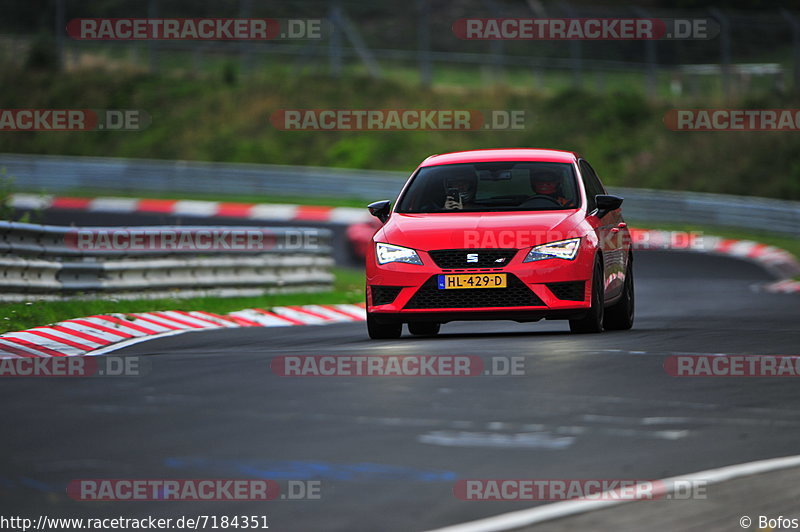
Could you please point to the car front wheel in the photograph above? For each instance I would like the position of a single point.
(619, 316)
(383, 331)
(593, 321)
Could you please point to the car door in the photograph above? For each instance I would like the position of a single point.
(608, 232)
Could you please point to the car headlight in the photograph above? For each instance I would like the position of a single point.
(563, 249)
(387, 253)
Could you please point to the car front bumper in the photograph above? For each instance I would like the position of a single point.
(558, 289)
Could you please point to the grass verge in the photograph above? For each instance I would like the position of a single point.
(348, 288)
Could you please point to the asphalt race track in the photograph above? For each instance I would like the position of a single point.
(387, 450)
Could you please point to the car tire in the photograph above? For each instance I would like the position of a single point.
(383, 331)
(619, 316)
(424, 328)
(592, 322)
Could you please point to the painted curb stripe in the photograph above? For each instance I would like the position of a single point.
(135, 330)
(196, 208)
(12, 351)
(63, 328)
(34, 348)
(104, 333)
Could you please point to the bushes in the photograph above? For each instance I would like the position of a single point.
(228, 120)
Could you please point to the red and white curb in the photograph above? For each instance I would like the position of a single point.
(784, 287)
(778, 261)
(95, 335)
(200, 209)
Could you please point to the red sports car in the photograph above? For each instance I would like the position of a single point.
(511, 234)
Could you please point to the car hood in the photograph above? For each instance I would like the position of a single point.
(479, 230)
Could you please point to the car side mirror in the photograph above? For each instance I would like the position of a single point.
(380, 209)
(607, 203)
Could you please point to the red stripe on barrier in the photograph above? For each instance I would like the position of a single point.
(756, 251)
(125, 323)
(156, 205)
(339, 311)
(82, 335)
(70, 203)
(214, 315)
(10, 349)
(242, 321)
(313, 212)
(235, 210)
(198, 318)
(35, 347)
(58, 339)
(725, 246)
(102, 328)
(351, 314)
(177, 320)
(155, 322)
(310, 312)
(290, 320)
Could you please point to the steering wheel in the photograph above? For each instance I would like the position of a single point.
(542, 196)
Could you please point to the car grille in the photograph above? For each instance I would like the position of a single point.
(515, 295)
(457, 258)
(569, 291)
(383, 295)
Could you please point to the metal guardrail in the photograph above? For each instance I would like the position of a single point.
(61, 174)
(752, 213)
(44, 262)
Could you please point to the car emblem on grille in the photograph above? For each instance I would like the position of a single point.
(501, 259)
(472, 257)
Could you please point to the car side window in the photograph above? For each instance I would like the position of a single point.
(592, 184)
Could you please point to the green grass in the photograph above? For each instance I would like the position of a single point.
(348, 288)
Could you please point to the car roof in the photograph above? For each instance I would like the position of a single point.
(504, 154)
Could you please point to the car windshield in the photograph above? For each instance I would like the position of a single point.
(491, 187)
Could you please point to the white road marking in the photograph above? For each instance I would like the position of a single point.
(560, 510)
(526, 440)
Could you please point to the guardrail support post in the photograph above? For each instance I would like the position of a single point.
(152, 44)
(335, 42)
(424, 42)
(724, 50)
(794, 23)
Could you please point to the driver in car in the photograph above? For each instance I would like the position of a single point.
(548, 183)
